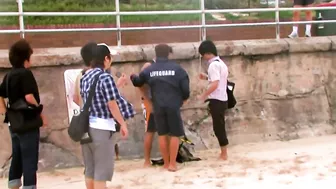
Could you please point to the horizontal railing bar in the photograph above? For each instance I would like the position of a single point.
(9, 13)
(268, 9)
(69, 13)
(165, 27)
(9, 31)
(308, 22)
(160, 12)
(69, 30)
(241, 24)
(161, 27)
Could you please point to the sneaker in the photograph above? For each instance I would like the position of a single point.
(308, 34)
(293, 35)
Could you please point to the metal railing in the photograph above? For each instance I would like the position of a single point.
(202, 26)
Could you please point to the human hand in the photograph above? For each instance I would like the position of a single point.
(202, 98)
(122, 80)
(203, 76)
(184, 102)
(124, 131)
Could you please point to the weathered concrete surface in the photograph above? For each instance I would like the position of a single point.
(285, 90)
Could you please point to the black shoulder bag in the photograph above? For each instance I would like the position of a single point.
(231, 98)
(18, 121)
(79, 125)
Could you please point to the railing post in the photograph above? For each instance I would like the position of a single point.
(21, 23)
(117, 6)
(277, 20)
(203, 29)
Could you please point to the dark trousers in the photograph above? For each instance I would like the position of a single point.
(217, 110)
(25, 150)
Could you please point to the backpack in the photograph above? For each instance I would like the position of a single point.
(183, 155)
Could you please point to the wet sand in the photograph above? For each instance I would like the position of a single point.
(304, 163)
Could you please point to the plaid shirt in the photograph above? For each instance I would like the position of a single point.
(106, 91)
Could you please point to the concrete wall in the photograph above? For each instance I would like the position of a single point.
(285, 90)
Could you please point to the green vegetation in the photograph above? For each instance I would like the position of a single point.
(109, 5)
(99, 6)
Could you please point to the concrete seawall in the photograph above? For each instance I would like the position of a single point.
(286, 89)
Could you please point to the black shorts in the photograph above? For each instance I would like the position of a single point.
(151, 128)
(303, 2)
(168, 122)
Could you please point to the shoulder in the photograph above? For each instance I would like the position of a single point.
(217, 64)
(106, 78)
(24, 72)
(146, 65)
(179, 69)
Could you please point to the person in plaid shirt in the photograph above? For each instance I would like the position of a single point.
(125, 107)
(108, 108)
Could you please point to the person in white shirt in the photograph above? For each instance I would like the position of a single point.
(216, 93)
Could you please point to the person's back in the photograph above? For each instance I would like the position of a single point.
(169, 85)
(164, 79)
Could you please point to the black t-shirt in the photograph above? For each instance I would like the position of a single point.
(21, 83)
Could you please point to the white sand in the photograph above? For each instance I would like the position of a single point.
(300, 164)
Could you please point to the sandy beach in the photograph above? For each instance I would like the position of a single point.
(304, 163)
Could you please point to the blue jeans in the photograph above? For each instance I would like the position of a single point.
(25, 150)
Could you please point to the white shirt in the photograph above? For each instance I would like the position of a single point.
(218, 71)
(102, 124)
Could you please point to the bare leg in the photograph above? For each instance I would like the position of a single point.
(147, 148)
(99, 184)
(173, 150)
(223, 154)
(116, 148)
(89, 183)
(163, 143)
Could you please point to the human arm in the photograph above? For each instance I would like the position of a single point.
(214, 78)
(185, 85)
(76, 97)
(122, 81)
(29, 87)
(3, 95)
(110, 93)
(203, 76)
(139, 80)
(145, 89)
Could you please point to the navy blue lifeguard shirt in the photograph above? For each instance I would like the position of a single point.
(168, 81)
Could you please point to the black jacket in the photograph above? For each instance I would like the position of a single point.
(168, 81)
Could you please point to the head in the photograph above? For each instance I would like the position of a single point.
(102, 56)
(87, 53)
(20, 53)
(207, 50)
(163, 51)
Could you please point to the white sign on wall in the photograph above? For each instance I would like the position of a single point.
(69, 81)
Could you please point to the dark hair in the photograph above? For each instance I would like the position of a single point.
(99, 54)
(207, 47)
(163, 50)
(87, 53)
(19, 52)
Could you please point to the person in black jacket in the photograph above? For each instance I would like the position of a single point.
(169, 84)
